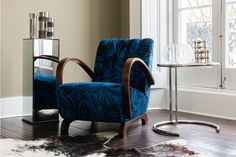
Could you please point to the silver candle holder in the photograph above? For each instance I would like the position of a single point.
(50, 28)
(41, 26)
(43, 18)
(33, 25)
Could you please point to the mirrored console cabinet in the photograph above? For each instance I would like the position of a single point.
(40, 59)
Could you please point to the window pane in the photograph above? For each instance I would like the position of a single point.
(230, 0)
(194, 24)
(230, 57)
(193, 3)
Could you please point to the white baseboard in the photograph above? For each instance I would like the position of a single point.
(15, 106)
(219, 103)
(210, 102)
(155, 108)
(208, 115)
(196, 113)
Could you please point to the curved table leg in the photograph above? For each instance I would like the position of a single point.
(164, 132)
(213, 125)
(170, 133)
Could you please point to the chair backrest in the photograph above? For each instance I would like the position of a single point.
(112, 54)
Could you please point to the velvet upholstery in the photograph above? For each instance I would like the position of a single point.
(101, 100)
(44, 91)
(95, 101)
(111, 56)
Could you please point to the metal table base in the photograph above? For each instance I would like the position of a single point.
(176, 121)
(170, 133)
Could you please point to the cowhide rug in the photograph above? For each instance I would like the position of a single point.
(89, 146)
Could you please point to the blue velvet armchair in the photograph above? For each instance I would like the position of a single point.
(120, 87)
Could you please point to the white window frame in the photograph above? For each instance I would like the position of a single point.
(228, 72)
(155, 25)
(217, 32)
(159, 19)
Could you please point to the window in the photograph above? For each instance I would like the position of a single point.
(155, 26)
(230, 29)
(195, 21)
(215, 22)
(183, 22)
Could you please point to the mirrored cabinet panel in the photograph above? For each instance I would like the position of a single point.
(40, 59)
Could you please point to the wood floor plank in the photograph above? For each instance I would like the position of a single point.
(201, 139)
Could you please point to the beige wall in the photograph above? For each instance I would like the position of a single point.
(131, 19)
(79, 24)
(125, 18)
(135, 19)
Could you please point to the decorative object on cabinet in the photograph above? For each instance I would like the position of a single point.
(33, 25)
(41, 26)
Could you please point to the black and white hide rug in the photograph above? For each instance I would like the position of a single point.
(89, 146)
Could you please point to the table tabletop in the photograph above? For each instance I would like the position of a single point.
(187, 64)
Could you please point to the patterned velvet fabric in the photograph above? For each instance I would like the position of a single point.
(101, 100)
(44, 87)
(95, 101)
(111, 56)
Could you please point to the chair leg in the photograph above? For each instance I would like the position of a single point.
(65, 127)
(124, 126)
(144, 119)
(123, 130)
(93, 127)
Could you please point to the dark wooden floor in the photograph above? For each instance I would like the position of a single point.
(201, 139)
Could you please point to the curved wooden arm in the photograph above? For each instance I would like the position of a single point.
(126, 81)
(48, 57)
(62, 63)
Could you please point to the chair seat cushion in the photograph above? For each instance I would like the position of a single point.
(44, 91)
(98, 101)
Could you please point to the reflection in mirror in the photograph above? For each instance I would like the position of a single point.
(43, 55)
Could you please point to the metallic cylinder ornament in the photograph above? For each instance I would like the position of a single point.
(50, 28)
(43, 18)
(33, 25)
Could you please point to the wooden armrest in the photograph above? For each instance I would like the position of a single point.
(126, 81)
(62, 63)
(48, 57)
